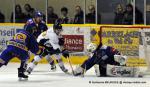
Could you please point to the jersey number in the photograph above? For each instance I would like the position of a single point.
(21, 37)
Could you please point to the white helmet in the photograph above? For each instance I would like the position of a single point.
(91, 47)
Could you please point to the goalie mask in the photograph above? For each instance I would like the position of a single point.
(91, 47)
(120, 59)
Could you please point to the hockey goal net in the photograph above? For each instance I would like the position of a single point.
(132, 41)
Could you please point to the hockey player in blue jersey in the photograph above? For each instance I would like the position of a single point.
(102, 56)
(38, 21)
(19, 46)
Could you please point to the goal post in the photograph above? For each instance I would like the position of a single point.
(145, 36)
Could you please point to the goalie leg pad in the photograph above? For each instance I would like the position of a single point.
(121, 71)
(97, 71)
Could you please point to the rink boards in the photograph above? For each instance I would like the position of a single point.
(77, 37)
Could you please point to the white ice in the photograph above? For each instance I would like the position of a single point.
(42, 77)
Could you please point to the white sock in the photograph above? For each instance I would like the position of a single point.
(37, 58)
(59, 60)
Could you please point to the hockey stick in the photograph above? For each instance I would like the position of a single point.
(70, 65)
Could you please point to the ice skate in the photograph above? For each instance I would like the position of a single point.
(29, 70)
(21, 75)
(64, 70)
(53, 68)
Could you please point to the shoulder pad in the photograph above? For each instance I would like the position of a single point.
(30, 21)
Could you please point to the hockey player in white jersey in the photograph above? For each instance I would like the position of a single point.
(53, 42)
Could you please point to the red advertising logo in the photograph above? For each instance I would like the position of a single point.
(74, 42)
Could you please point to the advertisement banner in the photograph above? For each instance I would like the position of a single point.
(74, 43)
(76, 39)
(126, 40)
(134, 42)
(6, 33)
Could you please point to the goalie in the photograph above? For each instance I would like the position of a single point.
(101, 55)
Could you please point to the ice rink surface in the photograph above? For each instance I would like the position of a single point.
(42, 77)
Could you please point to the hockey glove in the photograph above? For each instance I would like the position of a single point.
(43, 41)
(65, 53)
(52, 51)
(43, 51)
(61, 41)
(56, 51)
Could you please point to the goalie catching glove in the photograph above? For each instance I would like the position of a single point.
(120, 59)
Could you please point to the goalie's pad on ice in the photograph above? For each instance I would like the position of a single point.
(121, 71)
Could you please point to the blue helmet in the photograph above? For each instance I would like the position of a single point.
(38, 14)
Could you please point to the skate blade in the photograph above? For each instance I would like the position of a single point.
(69, 73)
(53, 70)
(79, 75)
(27, 73)
(23, 79)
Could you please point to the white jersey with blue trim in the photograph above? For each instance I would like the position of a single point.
(42, 36)
(52, 36)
